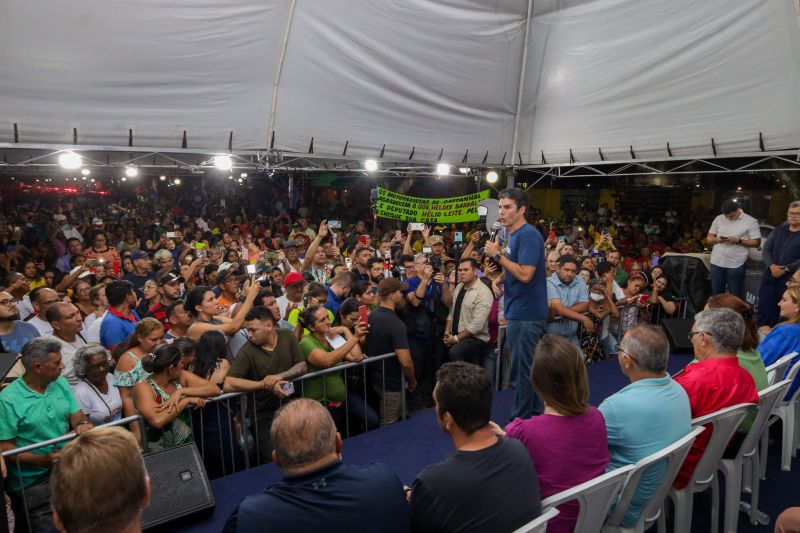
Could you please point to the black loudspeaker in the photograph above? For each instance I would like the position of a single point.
(690, 279)
(677, 331)
(178, 485)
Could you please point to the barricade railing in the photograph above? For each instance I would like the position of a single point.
(227, 434)
(12, 457)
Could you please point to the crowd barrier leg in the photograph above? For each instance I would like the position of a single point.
(245, 430)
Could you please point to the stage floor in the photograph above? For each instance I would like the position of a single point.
(411, 445)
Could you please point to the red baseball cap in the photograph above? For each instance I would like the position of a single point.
(293, 277)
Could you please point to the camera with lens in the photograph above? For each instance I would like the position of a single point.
(436, 263)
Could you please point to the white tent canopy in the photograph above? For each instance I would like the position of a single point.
(421, 75)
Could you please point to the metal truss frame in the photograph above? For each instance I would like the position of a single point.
(755, 162)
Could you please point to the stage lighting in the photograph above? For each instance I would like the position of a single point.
(243, 175)
(131, 171)
(124, 178)
(492, 176)
(162, 177)
(443, 169)
(223, 162)
(70, 160)
(86, 171)
(177, 181)
(464, 170)
(370, 165)
(230, 177)
(92, 180)
(240, 180)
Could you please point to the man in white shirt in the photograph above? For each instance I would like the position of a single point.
(294, 284)
(67, 324)
(731, 234)
(42, 298)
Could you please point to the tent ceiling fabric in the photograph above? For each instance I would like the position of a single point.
(428, 74)
(159, 67)
(609, 74)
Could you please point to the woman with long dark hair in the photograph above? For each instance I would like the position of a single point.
(214, 425)
(163, 396)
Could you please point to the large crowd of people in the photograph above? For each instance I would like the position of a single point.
(140, 309)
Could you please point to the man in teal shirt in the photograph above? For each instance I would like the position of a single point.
(646, 416)
(36, 407)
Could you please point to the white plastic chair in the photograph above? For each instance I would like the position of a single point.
(673, 455)
(786, 412)
(748, 451)
(776, 370)
(724, 424)
(538, 525)
(594, 497)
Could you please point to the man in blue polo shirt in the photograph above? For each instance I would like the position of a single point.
(346, 497)
(568, 299)
(121, 319)
(646, 416)
(524, 276)
(339, 290)
(37, 407)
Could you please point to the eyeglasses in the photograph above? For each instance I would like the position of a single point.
(9, 301)
(693, 333)
(623, 352)
(102, 364)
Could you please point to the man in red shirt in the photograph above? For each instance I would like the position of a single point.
(716, 381)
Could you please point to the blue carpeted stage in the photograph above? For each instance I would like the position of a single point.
(410, 446)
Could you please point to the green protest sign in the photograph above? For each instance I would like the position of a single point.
(396, 206)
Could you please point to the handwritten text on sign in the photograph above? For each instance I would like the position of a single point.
(396, 206)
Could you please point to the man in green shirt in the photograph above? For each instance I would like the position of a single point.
(37, 407)
(265, 364)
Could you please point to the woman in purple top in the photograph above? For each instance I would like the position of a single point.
(568, 442)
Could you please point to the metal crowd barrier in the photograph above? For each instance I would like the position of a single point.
(232, 444)
(11, 454)
(236, 445)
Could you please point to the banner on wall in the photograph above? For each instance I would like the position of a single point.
(396, 206)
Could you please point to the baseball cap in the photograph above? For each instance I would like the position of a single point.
(170, 277)
(293, 278)
(289, 244)
(226, 270)
(163, 254)
(97, 221)
(82, 275)
(435, 239)
(389, 285)
(139, 254)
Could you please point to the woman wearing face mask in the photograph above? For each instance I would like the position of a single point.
(602, 309)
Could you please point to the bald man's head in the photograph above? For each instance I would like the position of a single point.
(302, 433)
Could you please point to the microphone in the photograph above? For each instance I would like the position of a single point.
(496, 227)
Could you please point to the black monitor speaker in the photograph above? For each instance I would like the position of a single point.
(179, 486)
(677, 331)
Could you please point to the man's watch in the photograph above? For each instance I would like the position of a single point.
(496, 257)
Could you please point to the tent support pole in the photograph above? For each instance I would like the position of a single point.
(278, 71)
(521, 78)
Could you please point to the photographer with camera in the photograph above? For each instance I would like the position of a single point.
(429, 298)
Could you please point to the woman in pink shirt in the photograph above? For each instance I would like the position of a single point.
(568, 442)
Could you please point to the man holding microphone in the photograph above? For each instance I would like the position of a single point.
(521, 255)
